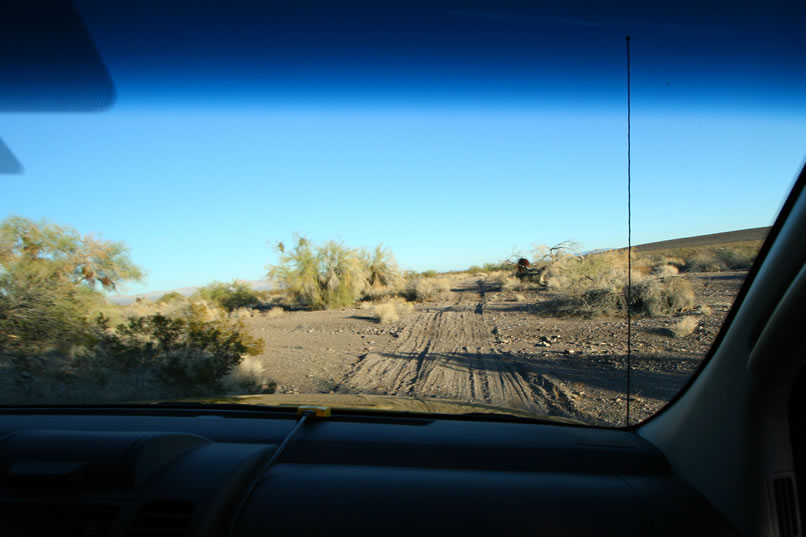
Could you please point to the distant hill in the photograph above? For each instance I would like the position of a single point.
(712, 239)
(257, 285)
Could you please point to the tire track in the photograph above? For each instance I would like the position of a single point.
(450, 353)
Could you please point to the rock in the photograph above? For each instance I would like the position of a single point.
(569, 351)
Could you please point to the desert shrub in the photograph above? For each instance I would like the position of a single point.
(321, 277)
(248, 377)
(386, 313)
(64, 254)
(663, 296)
(505, 280)
(380, 267)
(651, 296)
(665, 270)
(735, 258)
(229, 296)
(391, 310)
(421, 289)
(705, 262)
(685, 326)
(729, 256)
(596, 285)
(146, 358)
(49, 277)
(190, 353)
(429, 273)
(39, 313)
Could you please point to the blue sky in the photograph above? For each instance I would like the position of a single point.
(201, 170)
(201, 195)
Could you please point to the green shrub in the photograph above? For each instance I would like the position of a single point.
(321, 277)
(49, 277)
(380, 267)
(191, 354)
(228, 296)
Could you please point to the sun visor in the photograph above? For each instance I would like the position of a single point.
(48, 61)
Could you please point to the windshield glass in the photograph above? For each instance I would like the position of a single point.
(404, 208)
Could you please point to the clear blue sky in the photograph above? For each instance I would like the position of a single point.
(201, 185)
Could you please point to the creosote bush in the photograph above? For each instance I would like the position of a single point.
(190, 352)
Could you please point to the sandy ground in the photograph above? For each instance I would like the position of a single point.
(478, 345)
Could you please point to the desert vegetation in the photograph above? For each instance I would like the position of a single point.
(62, 341)
(332, 275)
(596, 285)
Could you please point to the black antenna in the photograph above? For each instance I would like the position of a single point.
(629, 243)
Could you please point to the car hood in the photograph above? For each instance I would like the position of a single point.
(379, 403)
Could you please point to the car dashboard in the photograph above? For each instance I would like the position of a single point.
(138, 472)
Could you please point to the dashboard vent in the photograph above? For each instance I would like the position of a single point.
(162, 518)
(785, 506)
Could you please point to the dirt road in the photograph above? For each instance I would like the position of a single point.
(449, 352)
(478, 345)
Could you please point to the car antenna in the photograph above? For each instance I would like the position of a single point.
(629, 244)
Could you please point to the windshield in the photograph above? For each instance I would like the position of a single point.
(405, 208)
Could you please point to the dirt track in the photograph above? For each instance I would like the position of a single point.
(449, 352)
(478, 345)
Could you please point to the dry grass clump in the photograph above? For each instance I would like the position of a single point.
(426, 288)
(705, 310)
(248, 377)
(391, 310)
(517, 297)
(663, 296)
(507, 282)
(685, 326)
(665, 270)
(386, 313)
(276, 311)
(597, 270)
